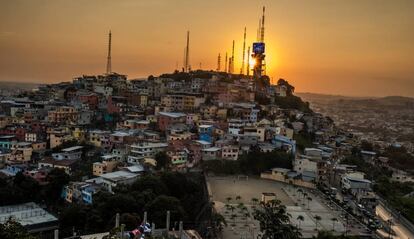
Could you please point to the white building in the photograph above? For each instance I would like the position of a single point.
(211, 153)
(303, 163)
(146, 149)
(72, 153)
(235, 126)
(230, 152)
(255, 131)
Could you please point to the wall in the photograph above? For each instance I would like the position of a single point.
(281, 178)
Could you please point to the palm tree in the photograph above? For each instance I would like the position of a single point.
(246, 215)
(317, 218)
(300, 191)
(300, 218)
(334, 219)
(233, 217)
(274, 221)
(294, 190)
(227, 206)
(228, 199)
(238, 197)
(219, 222)
(232, 208)
(309, 199)
(305, 194)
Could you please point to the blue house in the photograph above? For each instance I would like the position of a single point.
(206, 133)
(80, 192)
(12, 170)
(6, 141)
(281, 141)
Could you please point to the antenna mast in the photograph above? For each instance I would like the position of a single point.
(248, 61)
(244, 51)
(219, 62)
(232, 59)
(108, 60)
(184, 64)
(187, 56)
(225, 66)
(262, 29)
(259, 67)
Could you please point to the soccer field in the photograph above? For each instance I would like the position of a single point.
(242, 226)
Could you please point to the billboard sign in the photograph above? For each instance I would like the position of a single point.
(258, 47)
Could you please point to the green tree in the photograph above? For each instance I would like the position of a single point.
(130, 220)
(275, 221)
(317, 219)
(72, 217)
(150, 183)
(228, 199)
(14, 230)
(309, 199)
(24, 188)
(157, 210)
(162, 160)
(334, 219)
(329, 235)
(57, 178)
(300, 219)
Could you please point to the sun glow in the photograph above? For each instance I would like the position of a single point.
(252, 62)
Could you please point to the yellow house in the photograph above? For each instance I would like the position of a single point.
(222, 113)
(79, 134)
(96, 136)
(103, 167)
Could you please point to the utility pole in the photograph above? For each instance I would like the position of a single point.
(122, 230)
(181, 229)
(117, 220)
(167, 224)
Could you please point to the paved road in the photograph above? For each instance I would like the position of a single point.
(400, 231)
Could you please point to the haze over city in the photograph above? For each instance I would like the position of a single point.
(206, 119)
(359, 48)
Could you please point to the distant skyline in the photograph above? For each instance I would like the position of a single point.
(353, 47)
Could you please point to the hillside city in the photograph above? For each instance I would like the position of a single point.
(206, 154)
(192, 155)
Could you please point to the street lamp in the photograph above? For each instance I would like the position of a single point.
(389, 221)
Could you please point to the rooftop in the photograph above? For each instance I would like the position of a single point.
(118, 175)
(74, 148)
(172, 114)
(212, 149)
(26, 214)
(203, 142)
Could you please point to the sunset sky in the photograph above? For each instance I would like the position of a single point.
(349, 47)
